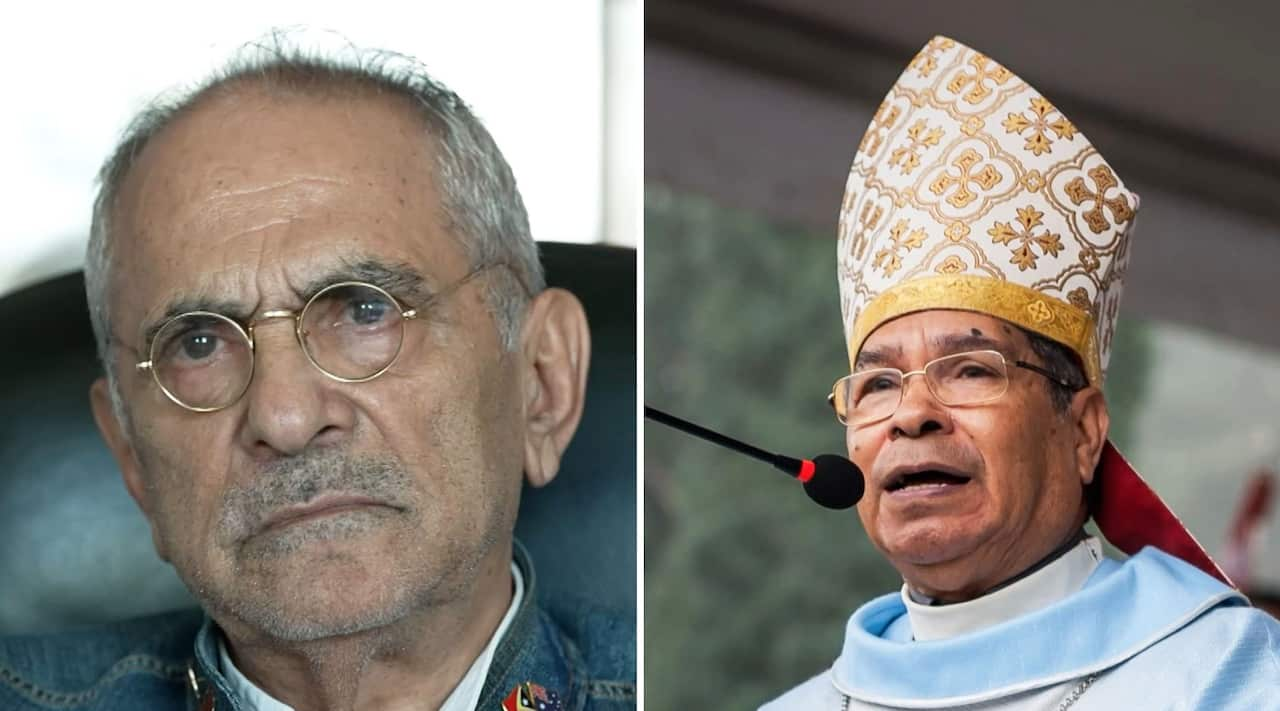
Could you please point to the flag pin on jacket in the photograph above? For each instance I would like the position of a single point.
(532, 697)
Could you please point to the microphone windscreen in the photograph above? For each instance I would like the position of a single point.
(836, 484)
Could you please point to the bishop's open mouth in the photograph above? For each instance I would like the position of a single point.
(926, 478)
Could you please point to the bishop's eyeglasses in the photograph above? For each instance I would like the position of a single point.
(351, 331)
(969, 378)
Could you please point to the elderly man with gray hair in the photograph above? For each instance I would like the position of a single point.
(330, 360)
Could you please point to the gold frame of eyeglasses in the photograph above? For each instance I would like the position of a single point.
(247, 332)
(842, 419)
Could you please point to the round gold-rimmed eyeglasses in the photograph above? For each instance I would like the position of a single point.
(351, 331)
(970, 378)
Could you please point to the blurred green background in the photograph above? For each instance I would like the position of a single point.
(747, 583)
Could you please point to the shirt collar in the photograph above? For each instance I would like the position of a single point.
(464, 697)
(1055, 581)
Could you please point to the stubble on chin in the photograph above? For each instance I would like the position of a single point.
(315, 579)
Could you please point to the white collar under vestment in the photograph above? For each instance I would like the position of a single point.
(1055, 581)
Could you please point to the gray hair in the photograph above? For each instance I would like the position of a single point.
(1063, 363)
(482, 207)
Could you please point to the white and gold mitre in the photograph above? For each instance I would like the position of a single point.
(971, 191)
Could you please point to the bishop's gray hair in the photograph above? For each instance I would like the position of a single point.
(481, 205)
(1063, 364)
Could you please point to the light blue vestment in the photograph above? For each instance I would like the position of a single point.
(1152, 632)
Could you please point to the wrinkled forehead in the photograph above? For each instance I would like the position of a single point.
(249, 142)
(933, 333)
(251, 196)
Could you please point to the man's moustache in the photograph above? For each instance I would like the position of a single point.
(297, 480)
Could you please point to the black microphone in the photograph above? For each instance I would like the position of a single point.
(829, 479)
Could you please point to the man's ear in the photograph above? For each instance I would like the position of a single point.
(556, 345)
(112, 430)
(1091, 422)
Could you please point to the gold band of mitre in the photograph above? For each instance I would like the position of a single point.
(1022, 306)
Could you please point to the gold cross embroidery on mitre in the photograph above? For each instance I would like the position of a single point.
(984, 70)
(888, 259)
(964, 164)
(1024, 257)
(1103, 180)
(905, 156)
(1038, 142)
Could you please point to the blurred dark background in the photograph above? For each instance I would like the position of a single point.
(753, 111)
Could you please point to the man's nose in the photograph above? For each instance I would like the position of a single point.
(920, 412)
(290, 404)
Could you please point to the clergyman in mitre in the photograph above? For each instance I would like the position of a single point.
(982, 249)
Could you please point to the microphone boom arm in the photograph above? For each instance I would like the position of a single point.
(829, 479)
(787, 464)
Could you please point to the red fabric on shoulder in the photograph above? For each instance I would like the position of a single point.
(1131, 515)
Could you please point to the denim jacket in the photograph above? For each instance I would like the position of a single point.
(586, 655)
